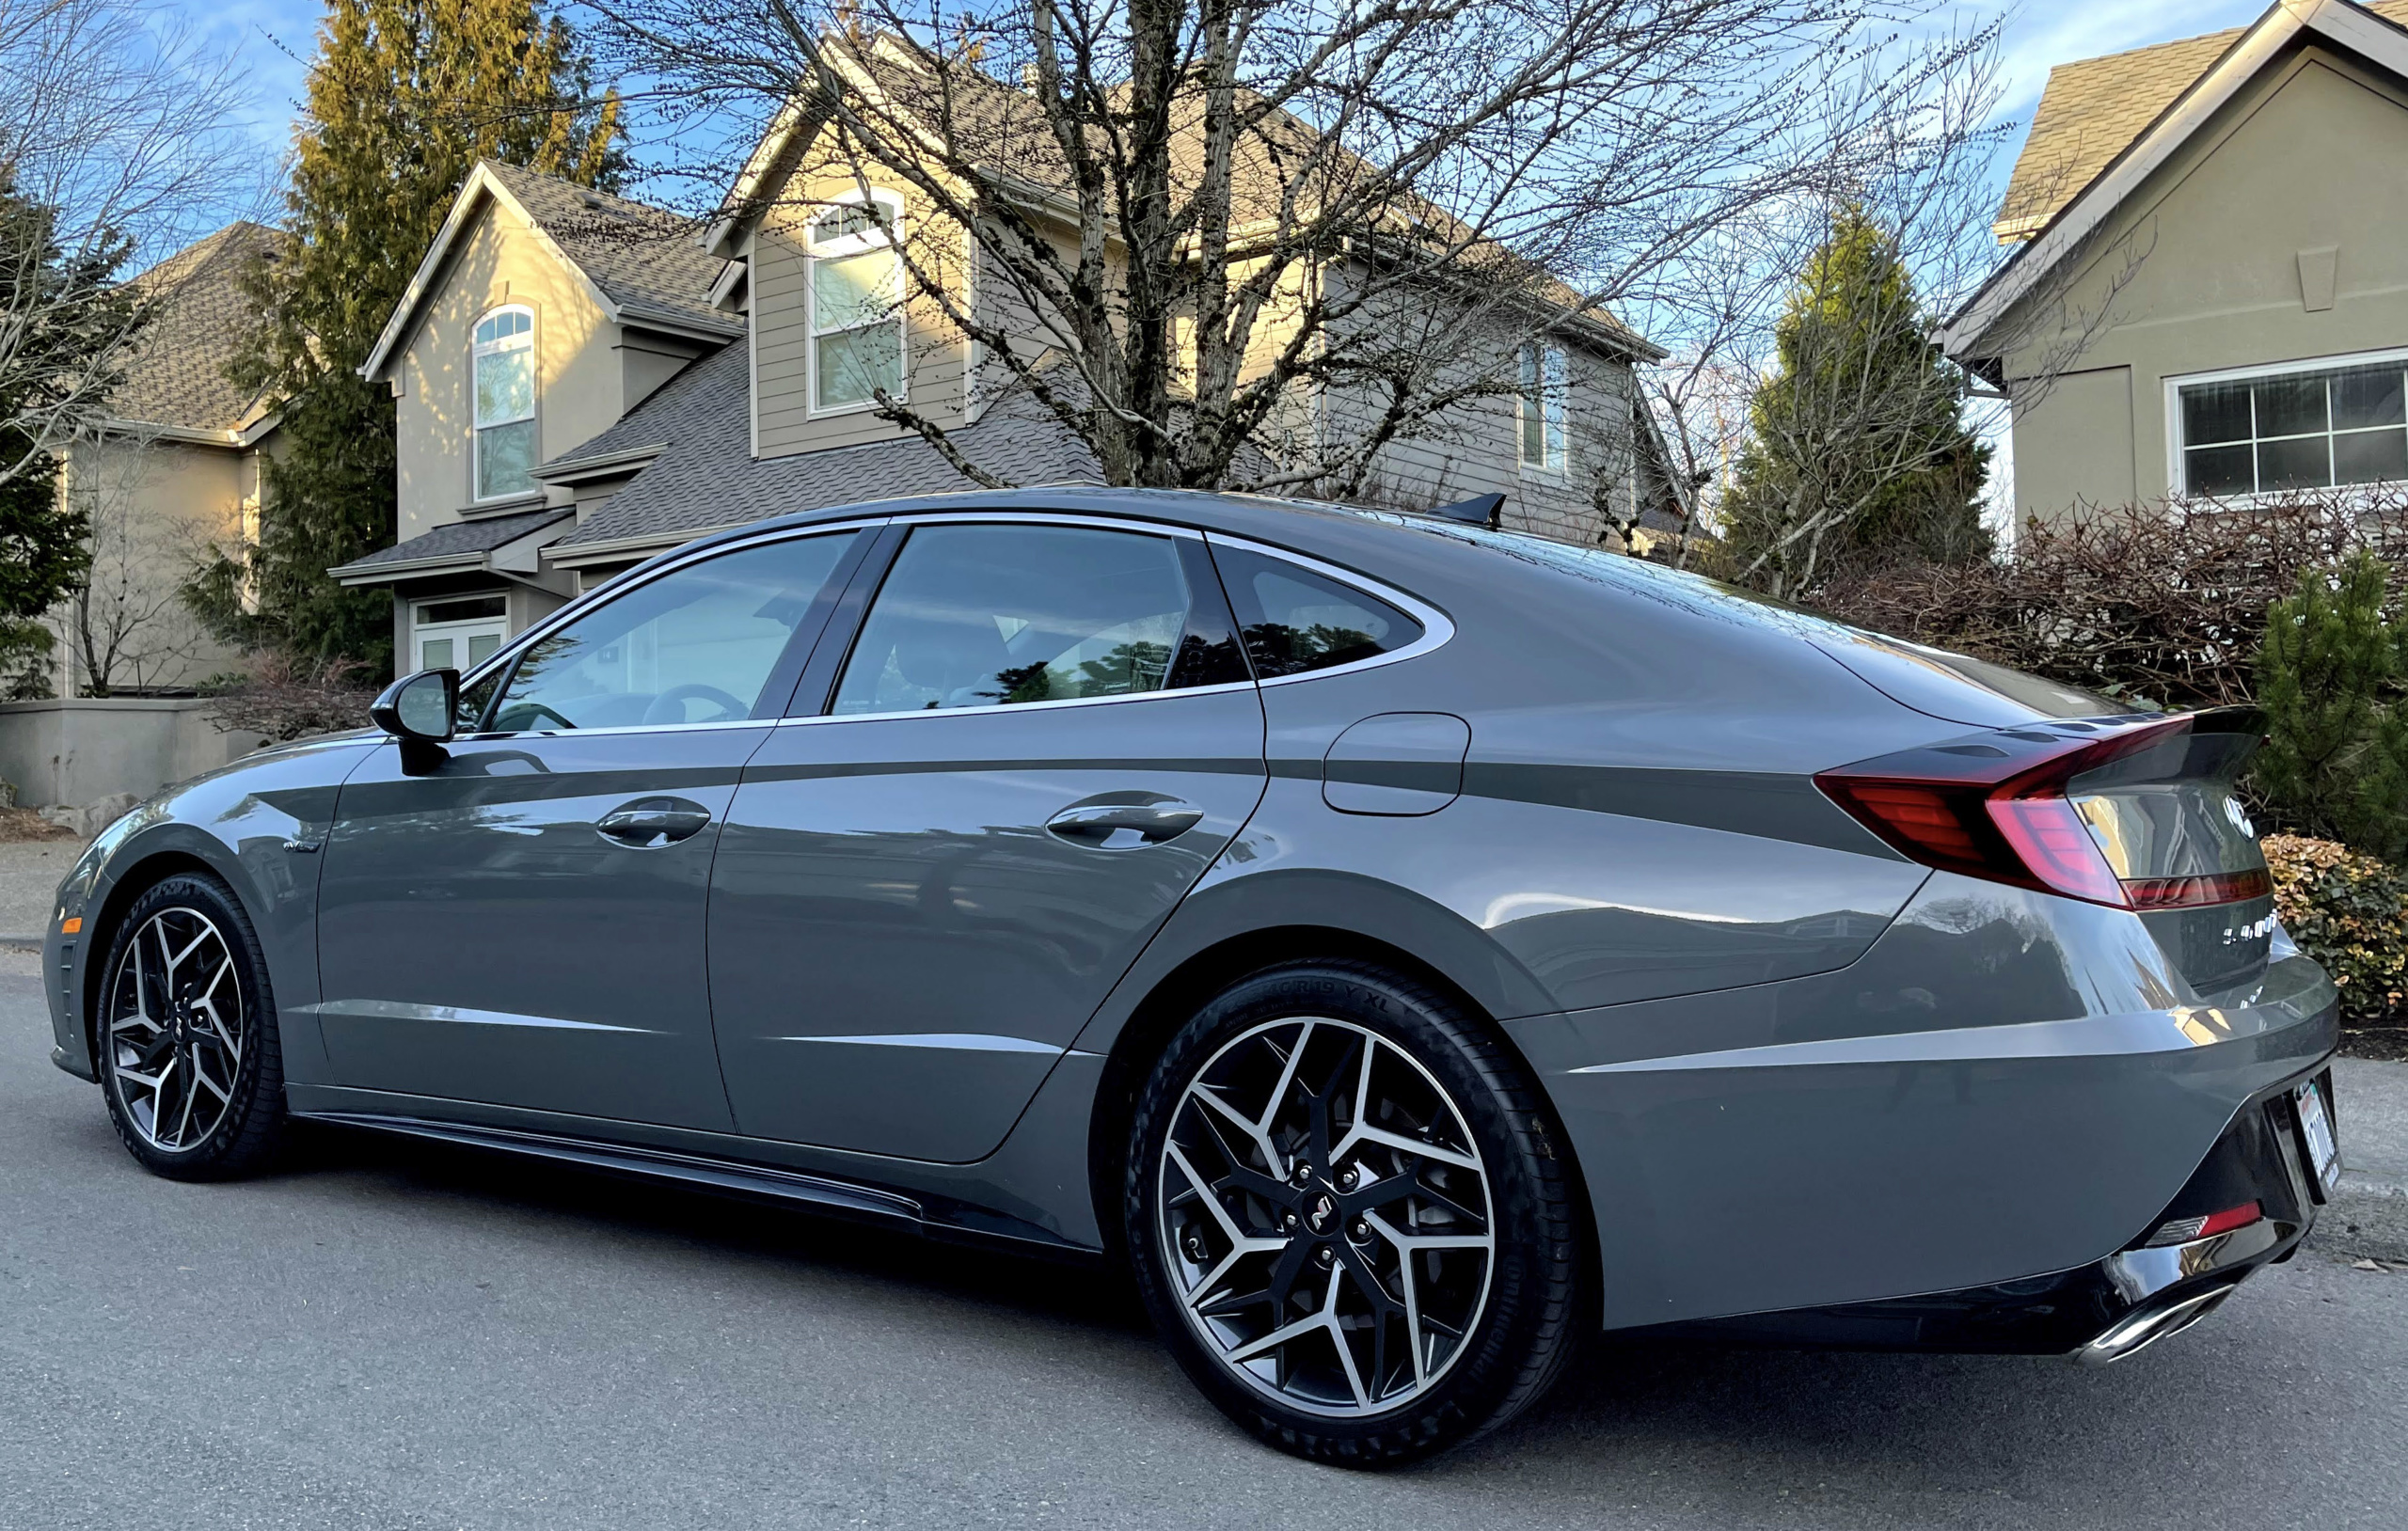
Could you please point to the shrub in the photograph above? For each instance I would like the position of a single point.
(2335, 760)
(2351, 913)
(2158, 604)
(286, 697)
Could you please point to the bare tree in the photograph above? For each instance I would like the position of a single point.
(119, 141)
(1260, 243)
(126, 624)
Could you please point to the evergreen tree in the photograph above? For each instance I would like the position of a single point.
(73, 317)
(2333, 677)
(1856, 444)
(404, 98)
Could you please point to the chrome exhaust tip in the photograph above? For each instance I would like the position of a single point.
(2136, 1332)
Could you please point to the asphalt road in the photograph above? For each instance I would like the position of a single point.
(398, 1335)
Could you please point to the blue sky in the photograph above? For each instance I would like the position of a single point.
(274, 37)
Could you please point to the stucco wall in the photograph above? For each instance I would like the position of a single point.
(78, 750)
(580, 382)
(2200, 271)
(155, 507)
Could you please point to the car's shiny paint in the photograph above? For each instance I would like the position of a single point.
(1795, 1070)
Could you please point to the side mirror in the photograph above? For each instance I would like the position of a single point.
(420, 709)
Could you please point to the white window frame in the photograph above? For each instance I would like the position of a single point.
(461, 630)
(815, 250)
(478, 351)
(1553, 399)
(2177, 483)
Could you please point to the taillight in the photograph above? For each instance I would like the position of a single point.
(1998, 811)
(2182, 1230)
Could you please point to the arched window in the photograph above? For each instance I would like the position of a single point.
(856, 302)
(505, 385)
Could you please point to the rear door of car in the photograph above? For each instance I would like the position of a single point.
(516, 918)
(1040, 735)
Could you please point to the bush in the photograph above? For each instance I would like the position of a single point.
(2335, 760)
(2158, 604)
(286, 697)
(2350, 913)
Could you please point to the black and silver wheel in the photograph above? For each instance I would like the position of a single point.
(1347, 1218)
(188, 1053)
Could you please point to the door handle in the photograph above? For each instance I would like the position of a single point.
(1124, 825)
(652, 822)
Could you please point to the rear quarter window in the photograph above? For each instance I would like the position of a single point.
(1295, 621)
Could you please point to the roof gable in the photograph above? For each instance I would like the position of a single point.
(2242, 57)
(640, 262)
(2092, 109)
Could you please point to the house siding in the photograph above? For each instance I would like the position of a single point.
(934, 349)
(2200, 271)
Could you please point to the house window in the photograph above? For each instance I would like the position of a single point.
(856, 303)
(2317, 428)
(457, 634)
(1546, 390)
(505, 383)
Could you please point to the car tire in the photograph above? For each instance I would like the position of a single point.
(185, 1035)
(1344, 1206)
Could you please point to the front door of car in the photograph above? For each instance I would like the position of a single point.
(519, 921)
(1041, 737)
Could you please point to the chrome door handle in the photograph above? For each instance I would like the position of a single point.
(652, 822)
(1124, 825)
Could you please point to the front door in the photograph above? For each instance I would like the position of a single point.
(1042, 737)
(519, 922)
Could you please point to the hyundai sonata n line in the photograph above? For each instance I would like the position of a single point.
(1409, 946)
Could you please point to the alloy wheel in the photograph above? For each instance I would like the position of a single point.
(176, 1030)
(1325, 1217)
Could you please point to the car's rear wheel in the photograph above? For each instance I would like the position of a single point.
(186, 1031)
(1347, 1217)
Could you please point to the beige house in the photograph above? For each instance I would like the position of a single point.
(2211, 299)
(583, 382)
(174, 470)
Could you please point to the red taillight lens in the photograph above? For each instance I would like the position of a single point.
(2192, 893)
(2182, 1230)
(2001, 813)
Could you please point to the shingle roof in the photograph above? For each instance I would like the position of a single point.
(643, 258)
(177, 375)
(2092, 109)
(458, 539)
(706, 478)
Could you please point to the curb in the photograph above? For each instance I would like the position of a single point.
(21, 944)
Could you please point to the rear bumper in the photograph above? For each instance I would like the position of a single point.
(2103, 1311)
(2005, 1089)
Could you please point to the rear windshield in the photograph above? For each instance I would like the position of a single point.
(1955, 686)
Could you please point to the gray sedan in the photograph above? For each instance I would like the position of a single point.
(1407, 945)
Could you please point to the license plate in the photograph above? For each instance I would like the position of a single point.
(2316, 1135)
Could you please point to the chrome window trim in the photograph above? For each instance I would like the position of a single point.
(616, 727)
(1437, 628)
(1018, 706)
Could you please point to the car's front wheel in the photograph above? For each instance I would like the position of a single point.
(187, 1047)
(1347, 1217)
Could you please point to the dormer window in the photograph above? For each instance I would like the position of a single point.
(856, 303)
(505, 386)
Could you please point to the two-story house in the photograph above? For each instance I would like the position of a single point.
(2210, 298)
(583, 381)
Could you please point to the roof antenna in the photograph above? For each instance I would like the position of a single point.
(1480, 511)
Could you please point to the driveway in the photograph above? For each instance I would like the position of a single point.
(402, 1335)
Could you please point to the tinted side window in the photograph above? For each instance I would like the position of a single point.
(473, 702)
(693, 646)
(1296, 621)
(982, 616)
